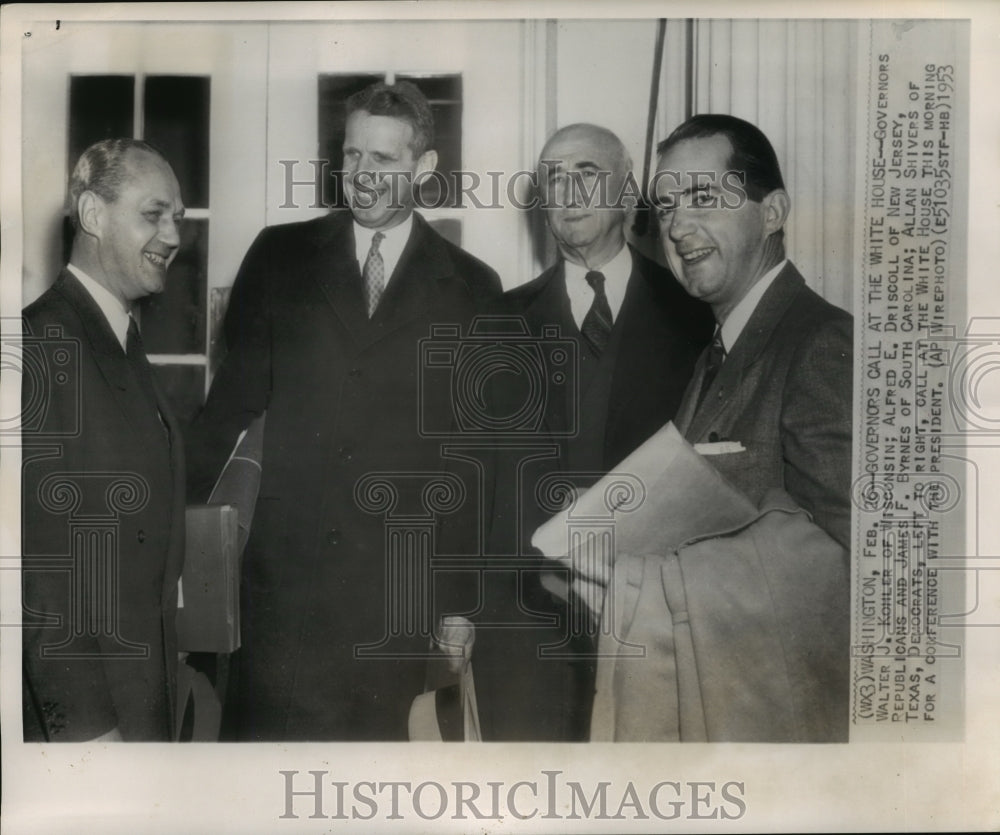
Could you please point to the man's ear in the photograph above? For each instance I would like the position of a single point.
(776, 207)
(90, 209)
(427, 161)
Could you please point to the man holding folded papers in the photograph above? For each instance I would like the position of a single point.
(777, 377)
(741, 613)
(635, 335)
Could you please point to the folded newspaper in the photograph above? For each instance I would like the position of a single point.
(662, 495)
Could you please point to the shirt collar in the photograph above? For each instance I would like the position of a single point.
(738, 317)
(616, 275)
(391, 249)
(116, 315)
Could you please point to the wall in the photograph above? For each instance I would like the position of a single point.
(523, 79)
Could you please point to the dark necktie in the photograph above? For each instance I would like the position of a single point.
(715, 357)
(596, 327)
(374, 274)
(136, 355)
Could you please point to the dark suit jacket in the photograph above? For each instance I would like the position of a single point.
(342, 395)
(103, 478)
(657, 337)
(784, 392)
(586, 428)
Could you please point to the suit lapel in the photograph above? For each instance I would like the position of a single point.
(745, 353)
(686, 411)
(412, 290)
(173, 427)
(111, 360)
(551, 306)
(333, 263)
(104, 345)
(415, 286)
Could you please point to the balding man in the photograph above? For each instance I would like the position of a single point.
(638, 332)
(637, 336)
(103, 467)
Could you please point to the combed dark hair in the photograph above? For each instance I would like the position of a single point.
(402, 100)
(102, 170)
(752, 152)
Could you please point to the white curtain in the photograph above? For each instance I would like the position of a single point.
(796, 80)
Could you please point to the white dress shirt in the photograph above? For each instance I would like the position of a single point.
(616, 273)
(116, 315)
(738, 317)
(390, 249)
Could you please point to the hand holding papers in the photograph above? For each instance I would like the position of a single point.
(711, 610)
(661, 496)
(455, 639)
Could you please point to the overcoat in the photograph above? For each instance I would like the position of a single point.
(326, 654)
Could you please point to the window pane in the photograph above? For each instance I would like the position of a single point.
(437, 88)
(175, 120)
(444, 93)
(173, 322)
(334, 91)
(100, 107)
(184, 387)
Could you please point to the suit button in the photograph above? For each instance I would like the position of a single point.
(346, 453)
(141, 536)
(354, 372)
(333, 537)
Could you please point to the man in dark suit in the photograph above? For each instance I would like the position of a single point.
(777, 379)
(103, 468)
(636, 335)
(745, 627)
(323, 330)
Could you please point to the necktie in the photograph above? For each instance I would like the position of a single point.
(136, 355)
(713, 362)
(596, 327)
(374, 274)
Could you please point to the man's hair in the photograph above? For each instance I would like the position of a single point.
(623, 160)
(102, 170)
(752, 152)
(402, 100)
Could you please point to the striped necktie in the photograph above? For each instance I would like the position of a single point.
(596, 327)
